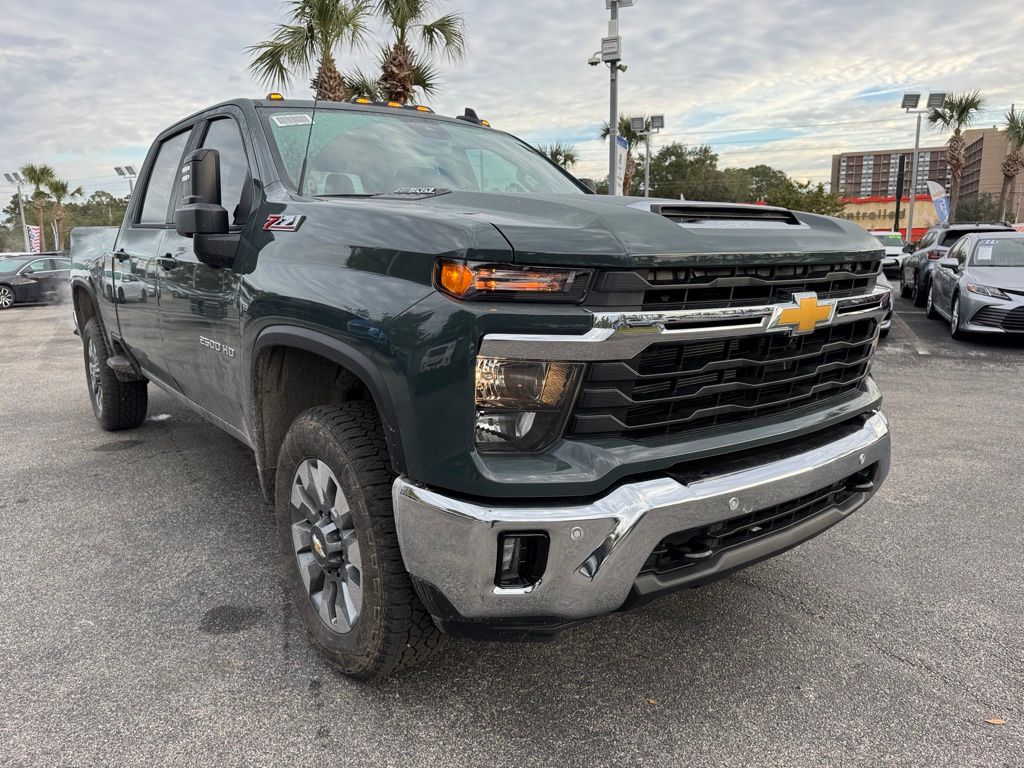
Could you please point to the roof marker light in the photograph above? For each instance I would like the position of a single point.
(275, 97)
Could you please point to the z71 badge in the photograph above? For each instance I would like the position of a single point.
(277, 222)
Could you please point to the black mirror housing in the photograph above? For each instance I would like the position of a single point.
(201, 212)
(589, 184)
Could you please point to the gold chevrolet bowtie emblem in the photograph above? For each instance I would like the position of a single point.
(807, 313)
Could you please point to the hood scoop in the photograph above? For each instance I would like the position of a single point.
(724, 216)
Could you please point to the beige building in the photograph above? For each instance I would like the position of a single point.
(873, 173)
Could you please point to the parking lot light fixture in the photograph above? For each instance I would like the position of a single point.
(127, 172)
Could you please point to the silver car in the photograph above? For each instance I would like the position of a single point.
(979, 285)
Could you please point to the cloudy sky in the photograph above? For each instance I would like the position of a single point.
(86, 85)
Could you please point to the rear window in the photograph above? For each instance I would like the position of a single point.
(890, 240)
(950, 238)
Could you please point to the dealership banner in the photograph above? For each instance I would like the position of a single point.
(939, 200)
(34, 239)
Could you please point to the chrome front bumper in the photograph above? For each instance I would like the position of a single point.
(598, 549)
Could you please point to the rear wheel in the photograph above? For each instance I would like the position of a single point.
(116, 404)
(919, 295)
(344, 569)
(6, 297)
(905, 289)
(954, 320)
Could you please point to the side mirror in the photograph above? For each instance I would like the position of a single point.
(201, 212)
(952, 264)
(27, 271)
(909, 248)
(589, 184)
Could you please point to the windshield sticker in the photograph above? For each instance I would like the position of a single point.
(990, 242)
(285, 121)
(985, 252)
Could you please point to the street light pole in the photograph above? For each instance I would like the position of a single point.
(909, 105)
(613, 119)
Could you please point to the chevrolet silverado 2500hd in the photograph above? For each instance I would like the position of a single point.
(482, 399)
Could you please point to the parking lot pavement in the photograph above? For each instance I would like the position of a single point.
(142, 619)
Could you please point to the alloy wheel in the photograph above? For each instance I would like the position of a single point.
(325, 545)
(6, 297)
(954, 316)
(930, 307)
(95, 382)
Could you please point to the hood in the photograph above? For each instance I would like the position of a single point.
(997, 277)
(602, 231)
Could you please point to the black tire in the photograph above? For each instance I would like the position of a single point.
(7, 297)
(116, 404)
(120, 296)
(931, 313)
(884, 333)
(391, 630)
(905, 289)
(920, 297)
(954, 320)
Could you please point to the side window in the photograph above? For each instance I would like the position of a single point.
(40, 265)
(162, 180)
(224, 136)
(927, 240)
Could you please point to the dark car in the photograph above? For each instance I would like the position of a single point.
(34, 278)
(916, 271)
(481, 398)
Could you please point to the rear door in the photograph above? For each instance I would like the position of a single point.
(38, 280)
(199, 310)
(134, 275)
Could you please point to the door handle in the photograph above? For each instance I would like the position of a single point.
(168, 262)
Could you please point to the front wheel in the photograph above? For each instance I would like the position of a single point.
(918, 296)
(344, 569)
(116, 404)
(930, 311)
(954, 320)
(6, 297)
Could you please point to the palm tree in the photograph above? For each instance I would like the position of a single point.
(39, 176)
(1013, 163)
(61, 191)
(403, 69)
(957, 113)
(316, 29)
(564, 155)
(633, 140)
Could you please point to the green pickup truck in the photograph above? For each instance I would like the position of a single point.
(482, 399)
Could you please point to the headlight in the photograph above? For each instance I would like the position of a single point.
(984, 290)
(469, 280)
(521, 405)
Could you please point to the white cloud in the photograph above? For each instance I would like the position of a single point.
(86, 85)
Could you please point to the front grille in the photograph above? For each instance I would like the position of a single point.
(997, 317)
(684, 386)
(691, 548)
(732, 286)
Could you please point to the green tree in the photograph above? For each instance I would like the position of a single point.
(1013, 163)
(983, 207)
(61, 192)
(404, 69)
(959, 112)
(692, 172)
(802, 196)
(308, 42)
(633, 140)
(39, 176)
(564, 155)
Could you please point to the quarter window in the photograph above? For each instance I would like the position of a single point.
(162, 178)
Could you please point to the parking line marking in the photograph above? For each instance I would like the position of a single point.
(915, 340)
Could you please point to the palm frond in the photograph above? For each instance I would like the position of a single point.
(445, 36)
(292, 46)
(1014, 122)
(38, 175)
(959, 111)
(425, 79)
(363, 86)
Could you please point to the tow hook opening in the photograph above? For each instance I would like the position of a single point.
(521, 559)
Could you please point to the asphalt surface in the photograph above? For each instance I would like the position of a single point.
(142, 619)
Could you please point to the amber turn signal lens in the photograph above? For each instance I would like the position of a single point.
(456, 278)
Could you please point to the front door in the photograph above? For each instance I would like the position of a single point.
(199, 310)
(134, 280)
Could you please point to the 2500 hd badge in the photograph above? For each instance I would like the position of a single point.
(492, 404)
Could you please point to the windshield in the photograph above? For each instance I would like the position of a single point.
(1004, 252)
(7, 266)
(368, 153)
(891, 240)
